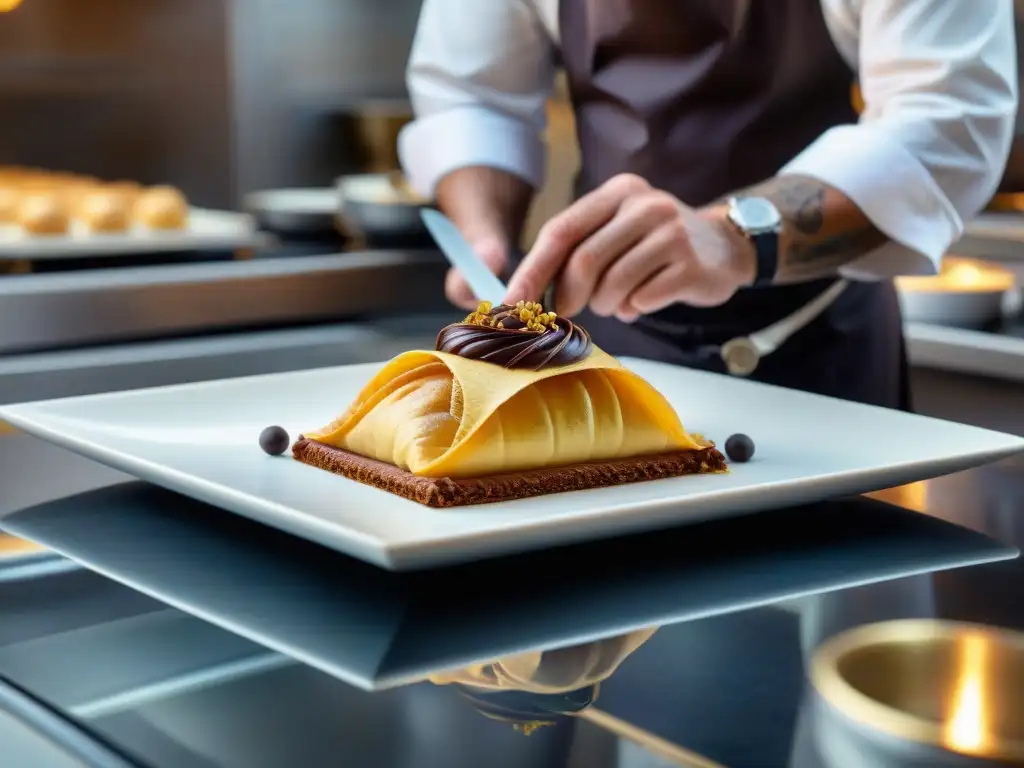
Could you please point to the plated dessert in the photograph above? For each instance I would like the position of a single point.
(513, 402)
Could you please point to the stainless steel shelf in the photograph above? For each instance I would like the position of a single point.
(106, 306)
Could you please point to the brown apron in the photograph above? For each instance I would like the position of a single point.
(706, 97)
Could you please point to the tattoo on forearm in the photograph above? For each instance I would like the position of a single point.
(823, 229)
(807, 259)
(810, 211)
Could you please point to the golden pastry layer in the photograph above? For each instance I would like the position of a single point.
(441, 415)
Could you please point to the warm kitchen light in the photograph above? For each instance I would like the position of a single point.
(912, 495)
(9, 5)
(967, 728)
(960, 275)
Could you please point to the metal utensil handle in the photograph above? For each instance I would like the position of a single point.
(547, 299)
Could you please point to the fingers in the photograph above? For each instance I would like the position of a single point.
(561, 236)
(600, 253)
(630, 271)
(493, 251)
(659, 291)
(458, 292)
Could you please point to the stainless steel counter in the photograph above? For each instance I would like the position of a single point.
(959, 350)
(105, 306)
(997, 237)
(994, 235)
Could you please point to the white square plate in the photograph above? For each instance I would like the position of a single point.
(201, 440)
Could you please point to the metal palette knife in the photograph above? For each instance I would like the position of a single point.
(460, 254)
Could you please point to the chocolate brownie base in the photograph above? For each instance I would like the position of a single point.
(456, 492)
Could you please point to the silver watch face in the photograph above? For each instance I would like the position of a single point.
(754, 214)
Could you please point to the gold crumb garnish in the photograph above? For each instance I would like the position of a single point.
(482, 314)
(527, 728)
(529, 313)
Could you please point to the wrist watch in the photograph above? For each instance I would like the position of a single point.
(760, 222)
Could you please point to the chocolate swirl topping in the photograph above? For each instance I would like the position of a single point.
(523, 336)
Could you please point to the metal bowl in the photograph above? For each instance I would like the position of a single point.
(920, 693)
(380, 207)
(967, 294)
(295, 211)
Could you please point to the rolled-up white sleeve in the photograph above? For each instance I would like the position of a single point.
(939, 83)
(479, 76)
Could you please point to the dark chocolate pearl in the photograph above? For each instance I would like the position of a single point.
(274, 440)
(739, 447)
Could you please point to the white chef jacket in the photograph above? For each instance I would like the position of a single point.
(938, 78)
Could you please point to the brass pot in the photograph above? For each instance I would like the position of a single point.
(376, 131)
(920, 693)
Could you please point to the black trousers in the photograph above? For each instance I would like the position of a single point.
(853, 351)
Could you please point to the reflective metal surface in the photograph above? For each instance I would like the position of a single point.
(299, 598)
(251, 675)
(39, 312)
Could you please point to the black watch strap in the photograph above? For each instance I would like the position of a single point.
(766, 246)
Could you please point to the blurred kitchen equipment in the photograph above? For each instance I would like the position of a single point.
(967, 293)
(382, 209)
(297, 213)
(920, 693)
(376, 126)
(1007, 202)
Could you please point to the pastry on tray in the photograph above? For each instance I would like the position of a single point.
(161, 207)
(43, 214)
(104, 212)
(514, 402)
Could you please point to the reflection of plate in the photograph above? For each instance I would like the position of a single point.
(967, 293)
(303, 600)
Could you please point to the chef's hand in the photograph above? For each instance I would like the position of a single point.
(627, 249)
(493, 250)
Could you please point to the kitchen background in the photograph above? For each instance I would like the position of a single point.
(226, 98)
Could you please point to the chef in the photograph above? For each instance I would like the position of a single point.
(734, 212)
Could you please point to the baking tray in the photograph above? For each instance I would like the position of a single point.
(207, 230)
